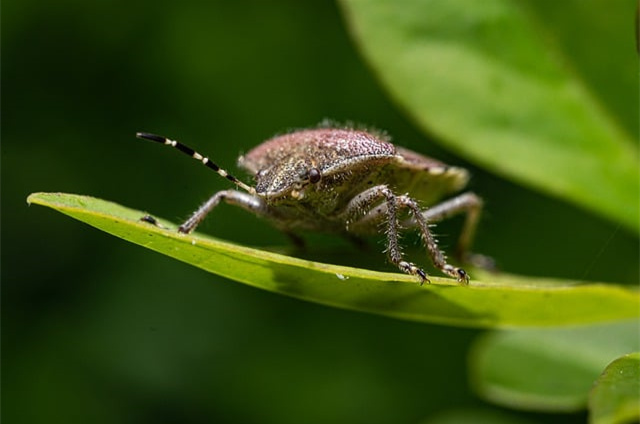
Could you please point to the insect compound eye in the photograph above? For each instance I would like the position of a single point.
(314, 175)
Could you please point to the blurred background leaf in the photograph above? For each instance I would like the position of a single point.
(614, 399)
(547, 370)
(95, 330)
(492, 82)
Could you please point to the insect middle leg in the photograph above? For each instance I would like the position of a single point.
(365, 209)
(244, 200)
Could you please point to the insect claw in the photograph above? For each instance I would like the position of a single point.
(149, 219)
(423, 276)
(410, 268)
(463, 277)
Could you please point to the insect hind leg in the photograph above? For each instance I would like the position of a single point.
(470, 204)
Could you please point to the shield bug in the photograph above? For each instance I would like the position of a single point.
(349, 182)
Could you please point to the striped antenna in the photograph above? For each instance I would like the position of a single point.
(197, 156)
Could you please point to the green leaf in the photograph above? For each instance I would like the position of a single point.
(615, 398)
(492, 82)
(497, 301)
(550, 369)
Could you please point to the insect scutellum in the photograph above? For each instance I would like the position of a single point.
(197, 156)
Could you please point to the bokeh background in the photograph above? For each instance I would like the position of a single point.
(98, 330)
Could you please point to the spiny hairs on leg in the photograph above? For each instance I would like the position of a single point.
(197, 156)
(394, 250)
(430, 243)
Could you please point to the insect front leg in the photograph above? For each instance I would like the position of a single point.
(366, 207)
(246, 201)
(470, 204)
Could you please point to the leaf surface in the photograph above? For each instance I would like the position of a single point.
(495, 84)
(547, 369)
(615, 398)
(490, 301)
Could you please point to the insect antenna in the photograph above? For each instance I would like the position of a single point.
(197, 156)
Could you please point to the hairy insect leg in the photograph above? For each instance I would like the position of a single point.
(244, 200)
(470, 204)
(367, 204)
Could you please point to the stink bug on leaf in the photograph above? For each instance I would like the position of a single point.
(349, 182)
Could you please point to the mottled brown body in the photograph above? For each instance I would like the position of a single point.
(349, 162)
(349, 182)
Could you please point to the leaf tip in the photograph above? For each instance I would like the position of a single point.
(41, 198)
(32, 198)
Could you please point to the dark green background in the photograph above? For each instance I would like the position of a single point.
(98, 330)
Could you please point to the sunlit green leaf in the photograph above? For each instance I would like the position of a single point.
(490, 301)
(489, 80)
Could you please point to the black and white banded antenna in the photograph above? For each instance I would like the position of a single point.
(197, 156)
